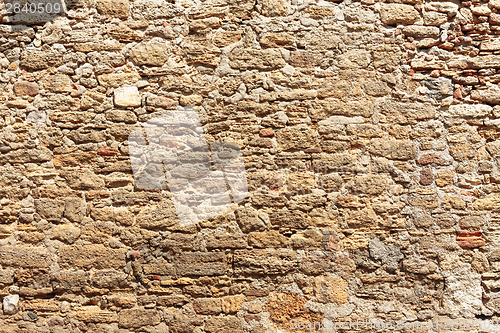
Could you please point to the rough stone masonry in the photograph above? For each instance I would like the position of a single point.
(370, 135)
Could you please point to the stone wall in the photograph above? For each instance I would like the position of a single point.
(369, 134)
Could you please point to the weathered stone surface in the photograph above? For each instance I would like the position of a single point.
(50, 209)
(83, 179)
(434, 18)
(493, 148)
(114, 8)
(26, 257)
(463, 152)
(6, 276)
(69, 280)
(136, 318)
(393, 149)
(493, 45)
(368, 134)
(330, 289)
(161, 102)
(268, 239)
(468, 303)
(160, 216)
(202, 263)
(405, 113)
(389, 254)
(474, 110)
(93, 314)
(487, 61)
(304, 58)
(23, 88)
(20, 156)
(264, 261)
(74, 209)
(419, 31)
(58, 83)
(67, 233)
(419, 266)
(249, 220)
(470, 239)
(97, 256)
(267, 59)
(126, 97)
(10, 304)
(490, 202)
(223, 325)
(118, 79)
(491, 95)
(36, 59)
(207, 306)
(398, 13)
(300, 137)
(273, 7)
(153, 54)
(117, 116)
(232, 304)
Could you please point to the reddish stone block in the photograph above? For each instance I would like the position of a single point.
(431, 159)
(107, 151)
(266, 132)
(470, 239)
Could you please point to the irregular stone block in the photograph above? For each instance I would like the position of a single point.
(267, 239)
(267, 59)
(69, 280)
(207, 306)
(114, 8)
(202, 263)
(50, 209)
(469, 110)
(37, 60)
(227, 241)
(489, 202)
(299, 137)
(83, 179)
(58, 83)
(114, 80)
(66, 233)
(21, 156)
(137, 318)
(10, 304)
(25, 88)
(419, 31)
(162, 102)
(117, 116)
(330, 289)
(127, 97)
(249, 220)
(223, 325)
(27, 257)
(94, 255)
(153, 54)
(110, 279)
(251, 262)
(74, 209)
(398, 13)
(232, 304)
(492, 45)
(491, 95)
(273, 7)
(393, 149)
(94, 314)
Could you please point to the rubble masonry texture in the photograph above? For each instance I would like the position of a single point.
(369, 132)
